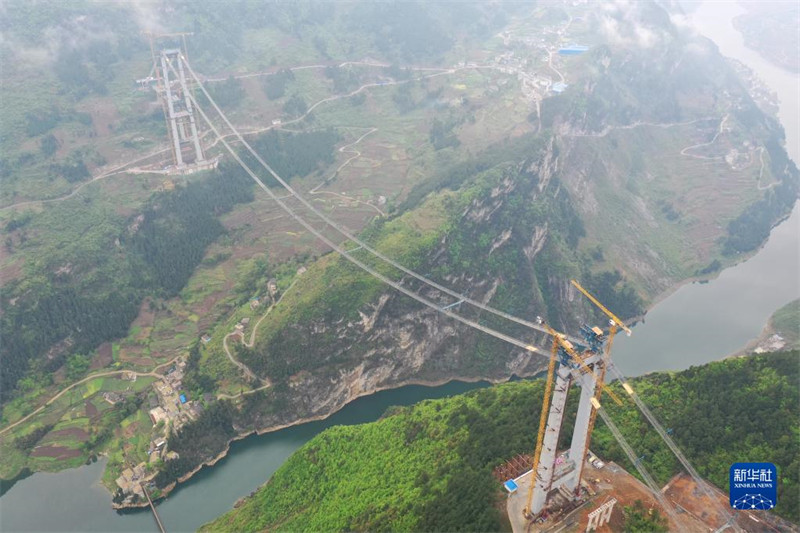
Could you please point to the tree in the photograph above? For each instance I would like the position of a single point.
(641, 520)
(228, 93)
(49, 145)
(77, 365)
(358, 99)
(72, 170)
(41, 121)
(403, 99)
(296, 106)
(275, 85)
(441, 134)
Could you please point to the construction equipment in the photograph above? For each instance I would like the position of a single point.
(563, 376)
(593, 384)
(614, 325)
(543, 419)
(176, 102)
(620, 324)
(572, 367)
(570, 357)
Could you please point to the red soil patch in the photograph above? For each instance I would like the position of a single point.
(146, 317)
(76, 433)
(11, 271)
(91, 410)
(103, 357)
(130, 431)
(134, 353)
(56, 452)
(686, 495)
(615, 482)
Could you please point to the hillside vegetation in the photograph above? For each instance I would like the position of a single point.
(629, 178)
(483, 224)
(485, 180)
(512, 224)
(786, 322)
(69, 67)
(85, 286)
(428, 467)
(322, 328)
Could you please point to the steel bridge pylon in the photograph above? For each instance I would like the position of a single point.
(549, 475)
(176, 101)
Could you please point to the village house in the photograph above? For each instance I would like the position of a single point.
(157, 415)
(113, 397)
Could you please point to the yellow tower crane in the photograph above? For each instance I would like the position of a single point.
(560, 341)
(617, 321)
(615, 324)
(542, 421)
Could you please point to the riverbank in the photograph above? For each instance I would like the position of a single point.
(711, 276)
(387, 387)
(780, 333)
(166, 491)
(83, 506)
(460, 435)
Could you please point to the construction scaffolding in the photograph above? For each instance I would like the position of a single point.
(174, 94)
(550, 473)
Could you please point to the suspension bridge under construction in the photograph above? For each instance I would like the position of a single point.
(583, 360)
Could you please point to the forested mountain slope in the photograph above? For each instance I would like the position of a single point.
(441, 133)
(512, 225)
(429, 467)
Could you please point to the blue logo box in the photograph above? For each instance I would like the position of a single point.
(753, 486)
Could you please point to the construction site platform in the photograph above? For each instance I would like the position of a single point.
(694, 512)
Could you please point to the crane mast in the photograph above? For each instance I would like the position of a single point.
(614, 325)
(542, 420)
(588, 369)
(572, 367)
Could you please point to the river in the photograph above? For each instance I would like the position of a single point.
(703, 322)
(74, 500)
(696, 324)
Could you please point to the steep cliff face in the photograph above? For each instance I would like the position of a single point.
(632, 183)
(630, 187)
(507, 238)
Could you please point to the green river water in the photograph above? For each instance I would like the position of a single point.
(696, 324)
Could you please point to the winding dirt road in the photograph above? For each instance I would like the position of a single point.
(712, 141)
(357, 154)
(120, 168)
(244, 368)
(152, 373)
